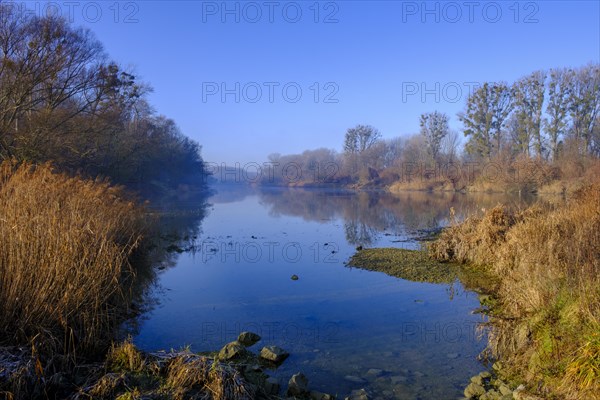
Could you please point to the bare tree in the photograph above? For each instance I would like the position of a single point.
(449, 145)
(360, 138)
(49, 74)
(584, 103)
(61, 100)
(529, 101)
(434, 128)
(557, 109)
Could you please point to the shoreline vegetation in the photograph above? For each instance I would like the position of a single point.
(537, 272)
(546, 328)
(65, 258)
(529, 176)
(522, 174)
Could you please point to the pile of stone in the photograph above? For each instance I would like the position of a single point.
(489, 386)
(269, 356)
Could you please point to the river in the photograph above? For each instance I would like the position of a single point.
(345, 328)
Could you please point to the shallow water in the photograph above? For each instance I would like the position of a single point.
(337, 322)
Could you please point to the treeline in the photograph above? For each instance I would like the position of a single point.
(544, 114)
(63, 100)
(543, 127)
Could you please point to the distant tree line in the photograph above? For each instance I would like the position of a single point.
(63, 100)
(551, 118)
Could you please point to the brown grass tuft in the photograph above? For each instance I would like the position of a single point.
(476, 240)
(192, 376)
(125, 357)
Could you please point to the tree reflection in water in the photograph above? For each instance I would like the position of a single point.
(176, 226)
(367, 215)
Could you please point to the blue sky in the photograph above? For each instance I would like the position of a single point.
(371, 61)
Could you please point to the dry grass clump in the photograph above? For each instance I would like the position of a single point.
(190, 376)
(547, 259)
(476, 240)
(132, 374)
(64, 255)
(584, 366)
(109, 386)
(125, 357)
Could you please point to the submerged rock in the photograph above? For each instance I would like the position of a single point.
(374, 373)
(298, 385)
(254, 368)
(272, 386)
(248, 338)
(398, 379)
(487, 386)
(360, 394)
(354, 379)
(314, 395)
(274, 354)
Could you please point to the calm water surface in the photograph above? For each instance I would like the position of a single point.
(337, 322)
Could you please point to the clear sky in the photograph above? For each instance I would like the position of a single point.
(380, 63)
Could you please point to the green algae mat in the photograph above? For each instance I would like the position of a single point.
(411, 265)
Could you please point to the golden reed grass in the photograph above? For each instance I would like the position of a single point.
(64, 250)
(547, 260)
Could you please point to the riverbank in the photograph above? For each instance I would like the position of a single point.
(538, 269)
(547, 322)
(550, 187)
(127, 373)
(562, 187)
(520, 175)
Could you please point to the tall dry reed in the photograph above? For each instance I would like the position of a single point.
(64, 250)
